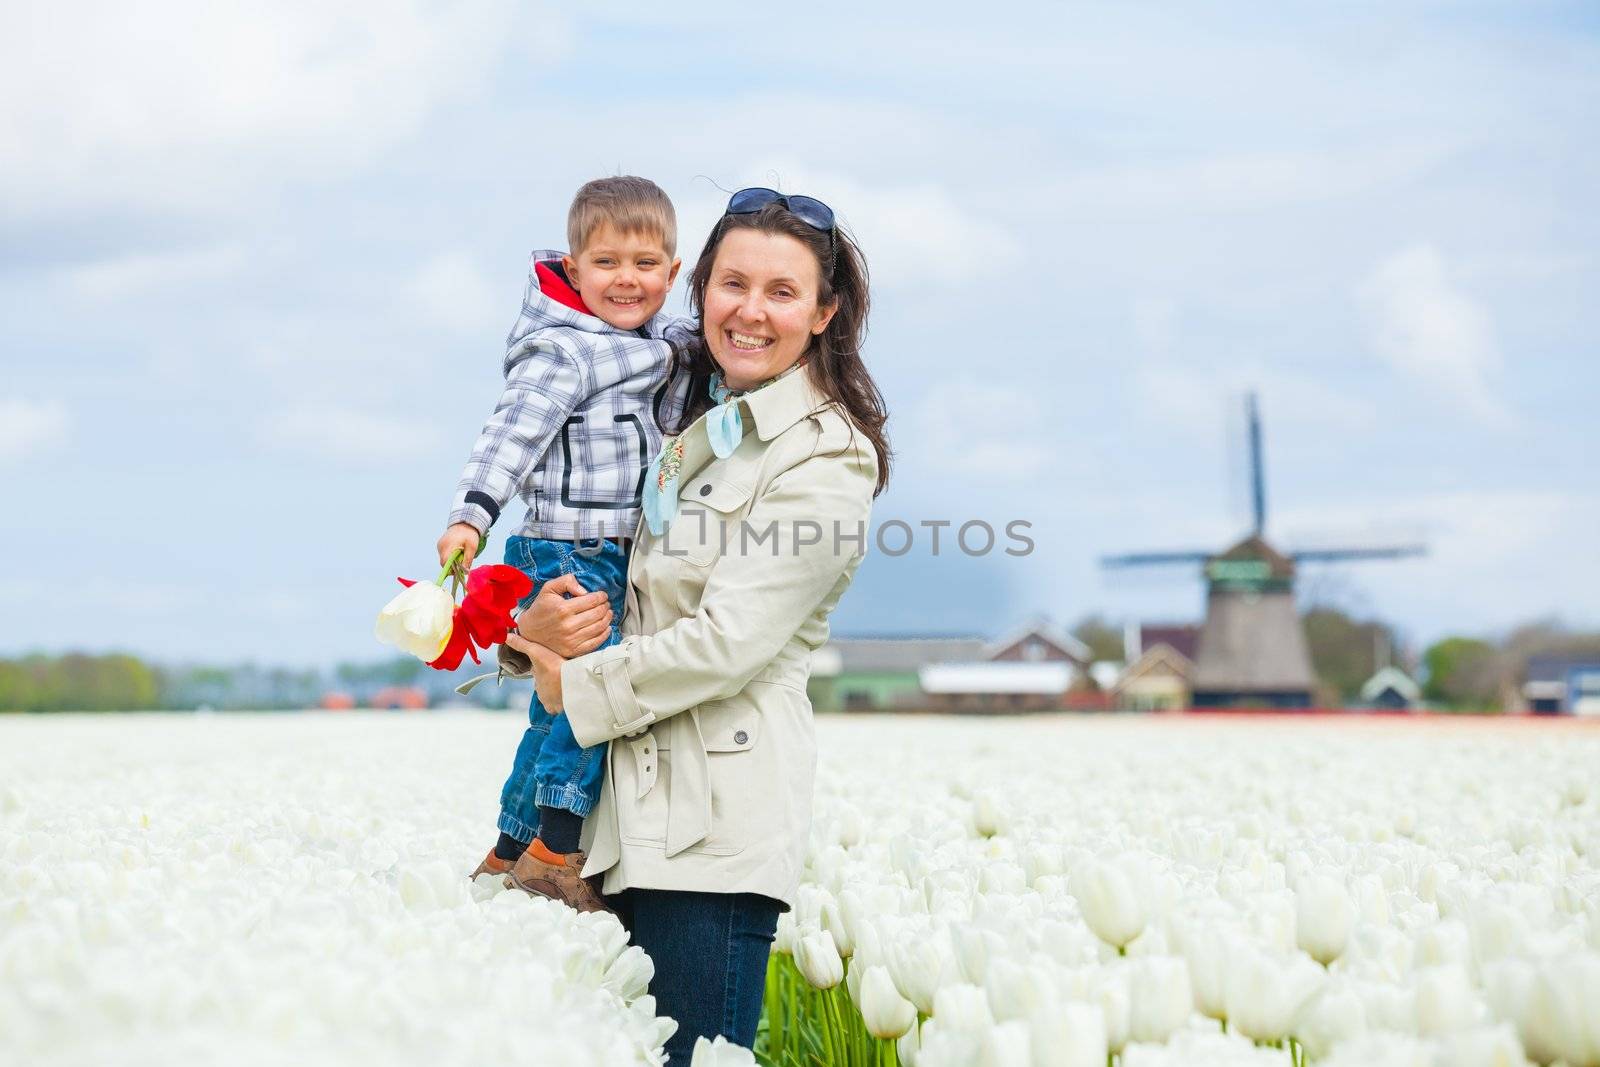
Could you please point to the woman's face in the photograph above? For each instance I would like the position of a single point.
(760, 310)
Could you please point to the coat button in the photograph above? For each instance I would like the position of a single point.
(740, 738)
(705, 490)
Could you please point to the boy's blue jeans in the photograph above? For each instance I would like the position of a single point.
(551, 769)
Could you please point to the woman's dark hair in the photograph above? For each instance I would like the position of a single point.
(834, 356)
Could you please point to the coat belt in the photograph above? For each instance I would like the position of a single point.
(689, 795)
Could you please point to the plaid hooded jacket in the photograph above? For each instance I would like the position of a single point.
(578, 422)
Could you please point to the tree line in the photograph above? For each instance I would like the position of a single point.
(1457, 672)
(78, 681)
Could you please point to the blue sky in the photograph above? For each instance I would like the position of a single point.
(257, 263)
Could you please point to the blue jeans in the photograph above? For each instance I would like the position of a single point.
(710, 952)
(550, 768)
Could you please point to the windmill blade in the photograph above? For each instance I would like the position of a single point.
(1341, 555)
(1258, 480)
(1144, 559)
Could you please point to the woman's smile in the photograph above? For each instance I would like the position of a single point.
(760, 310)
(746, 342)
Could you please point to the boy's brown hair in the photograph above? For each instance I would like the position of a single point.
(633, 205)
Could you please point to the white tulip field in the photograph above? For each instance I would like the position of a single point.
(1072, 891)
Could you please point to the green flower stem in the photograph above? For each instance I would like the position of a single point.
(449, 566)
(770, 997)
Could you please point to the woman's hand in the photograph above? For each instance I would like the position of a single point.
(565, 619)
(546, 670)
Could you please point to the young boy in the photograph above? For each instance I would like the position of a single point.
(572, 435)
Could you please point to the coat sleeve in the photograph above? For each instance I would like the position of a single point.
(752, 604)
(544, 385)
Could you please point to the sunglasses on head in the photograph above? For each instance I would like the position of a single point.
(809, 210)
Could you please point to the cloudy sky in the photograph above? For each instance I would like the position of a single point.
(257, 263)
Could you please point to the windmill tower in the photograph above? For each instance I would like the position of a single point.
(1252, 647)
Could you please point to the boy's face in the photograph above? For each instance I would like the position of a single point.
(623, 277)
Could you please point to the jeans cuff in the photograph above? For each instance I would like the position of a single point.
(510, 824)
(567, 797)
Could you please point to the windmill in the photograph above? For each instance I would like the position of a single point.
(1252, 647)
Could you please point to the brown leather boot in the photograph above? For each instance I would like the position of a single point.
(561, 882)
(491, 864)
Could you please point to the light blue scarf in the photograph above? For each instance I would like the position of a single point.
(724, 430)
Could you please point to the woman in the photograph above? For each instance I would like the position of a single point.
(757, 518)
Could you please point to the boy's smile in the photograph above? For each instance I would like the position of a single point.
(622, 277)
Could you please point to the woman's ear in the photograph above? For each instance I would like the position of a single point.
(824, 317)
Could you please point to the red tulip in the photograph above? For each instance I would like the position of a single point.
(483, 618)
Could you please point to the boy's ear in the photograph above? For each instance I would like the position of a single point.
(570, 267)
(672, 275)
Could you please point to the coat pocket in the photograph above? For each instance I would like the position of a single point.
(707, 522)
(739, 776)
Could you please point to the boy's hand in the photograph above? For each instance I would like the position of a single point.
(462, 535)
(565, 619)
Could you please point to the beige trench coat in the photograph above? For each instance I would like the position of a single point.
(709, 774)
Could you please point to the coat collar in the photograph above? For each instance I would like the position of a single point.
(781, 404)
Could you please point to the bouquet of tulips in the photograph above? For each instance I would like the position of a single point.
(427, 621)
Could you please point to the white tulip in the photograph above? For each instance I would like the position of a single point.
(818, 960)
(629, 974)
(1446, 1003)
(1072, 1034)
(1108, 902)
(783, 938)
(1271, 916)
(1485, 1047)
(1111, 994)
(1160, 997)
(989, 816)
(417, 621)
(886, 1013)
(720, 1053)
(1265, 994)
(1017, 990)
(1003, 877)
(942, 1046)
(835, 925)
(809, 902)
(1446, 942)
(1563, 1011)
(974, 947)
(920, 961)
(908, 1046)
(1209, 950)
(962, 1006)
(1005, 1045)
(1382, 1050)
(1333, 1016)
(1323, 917)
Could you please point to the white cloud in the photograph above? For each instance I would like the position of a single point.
(1431, 332)
(27, 427)
(1243, 181)
(454, 292)
(349, 435)
(911, 233)
(138, 274)
(1495, 556)
(178, 105)
(966, 430)
(1204, 400)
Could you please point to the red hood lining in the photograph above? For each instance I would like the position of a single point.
(553, 283)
